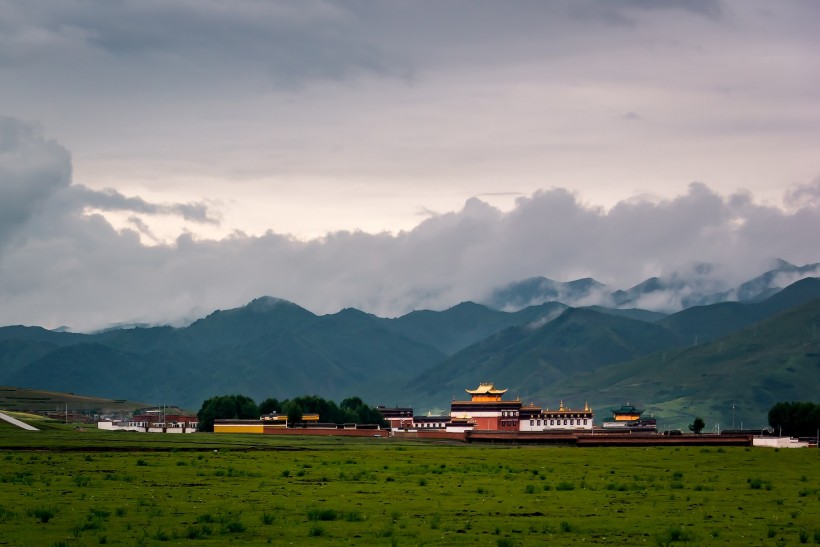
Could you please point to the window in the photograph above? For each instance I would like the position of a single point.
(539, 422)
(565, 422)
(532, 422)
(585, 421)
(552, 422)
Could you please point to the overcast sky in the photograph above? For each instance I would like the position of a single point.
(159, 159)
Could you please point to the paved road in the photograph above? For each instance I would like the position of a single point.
(18, 423)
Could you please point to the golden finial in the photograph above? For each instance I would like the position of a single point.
(562, 405)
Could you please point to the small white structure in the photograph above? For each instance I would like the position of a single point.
(779, 442)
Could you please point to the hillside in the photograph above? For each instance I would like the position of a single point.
(19, 399)
(704, 323)
(775, 360)
(274, 348)
(465, 324)
(528, 360)
(269, 348)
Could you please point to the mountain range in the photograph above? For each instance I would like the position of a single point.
(750, 354)
(701, 285)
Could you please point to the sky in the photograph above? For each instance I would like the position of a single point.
(162, 159)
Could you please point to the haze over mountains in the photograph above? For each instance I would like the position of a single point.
(701, 285)
(696, 361)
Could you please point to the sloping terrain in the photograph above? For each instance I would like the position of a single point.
(528, 360)
(775, 360)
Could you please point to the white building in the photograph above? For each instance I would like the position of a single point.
(535, 419)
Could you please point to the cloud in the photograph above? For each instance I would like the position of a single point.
(31, 169)
(286, 43)
(804, 195)
(110, 200)
(68, 266)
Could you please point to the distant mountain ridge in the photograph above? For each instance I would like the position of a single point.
(669, 294)
(546, 352)
(268, 348)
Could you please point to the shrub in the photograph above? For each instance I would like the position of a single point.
(42, 514)
(267, 518)
(5, 514)
(435, 521)
(322, 514)
(205, 517)
(565, 527)
(673, 535)
(233, 527)
(316, 531)
(353, 516)
(198, 532)
(563, 485)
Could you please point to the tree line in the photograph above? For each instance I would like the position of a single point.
(240, 407)
(795, 419)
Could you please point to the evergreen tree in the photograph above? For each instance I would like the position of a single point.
(697, 426)
(225, 407)
(795, 419)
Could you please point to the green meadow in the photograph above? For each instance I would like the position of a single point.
(61, 486)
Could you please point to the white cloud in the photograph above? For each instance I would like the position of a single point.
(293, 146)
(67, 267)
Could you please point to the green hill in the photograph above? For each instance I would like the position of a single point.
(465, 324)
(273, 348)
(25, 400)
(704, 323)
(775, 360)
(529, 360)
(269, 348)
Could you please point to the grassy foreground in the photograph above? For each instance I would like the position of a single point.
(379, 491)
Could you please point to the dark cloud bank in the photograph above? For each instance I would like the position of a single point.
(63, 264)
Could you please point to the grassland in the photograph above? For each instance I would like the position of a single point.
(61, 486)
(16, 398)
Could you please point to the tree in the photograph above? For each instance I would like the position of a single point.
(225, 407)
(294, 412)
(697, 426)
(795, 419)
(269, 405)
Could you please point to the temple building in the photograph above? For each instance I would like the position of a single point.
(534, 418)
(630, 417)
(397, 417)
(487, 410)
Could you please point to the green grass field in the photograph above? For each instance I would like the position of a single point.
(163, 489)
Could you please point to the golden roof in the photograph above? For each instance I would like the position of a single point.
(486, 388)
